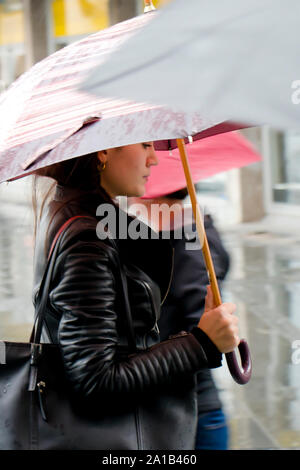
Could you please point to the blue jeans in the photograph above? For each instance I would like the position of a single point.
(212, 431)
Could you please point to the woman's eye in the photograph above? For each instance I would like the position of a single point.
(146, 145)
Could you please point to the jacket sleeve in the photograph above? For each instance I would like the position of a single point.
(85, 297)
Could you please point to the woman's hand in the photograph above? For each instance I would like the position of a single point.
(220, 324)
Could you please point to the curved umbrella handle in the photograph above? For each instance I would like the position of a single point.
(241, 374)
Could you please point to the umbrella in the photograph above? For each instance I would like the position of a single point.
(231, 60)
(46, 119)
(207, 157)
(43, 115)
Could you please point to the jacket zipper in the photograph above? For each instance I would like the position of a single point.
(148, 288)
(155, 327)
(169, 285)
(170, 280)
(138, 429)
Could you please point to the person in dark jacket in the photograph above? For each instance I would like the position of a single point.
(183, 308)
(185, 302)
(84, 313)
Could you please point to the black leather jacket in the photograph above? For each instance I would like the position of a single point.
(84, 312)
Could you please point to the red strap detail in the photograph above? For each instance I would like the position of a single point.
(63, 227)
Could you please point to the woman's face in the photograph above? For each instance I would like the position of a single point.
(127, 169)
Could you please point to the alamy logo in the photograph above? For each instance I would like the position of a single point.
(296, 353)
(173, 218)
(296, 94)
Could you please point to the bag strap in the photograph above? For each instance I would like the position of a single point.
(44, 289)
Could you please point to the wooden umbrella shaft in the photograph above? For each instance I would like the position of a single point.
(199, 224)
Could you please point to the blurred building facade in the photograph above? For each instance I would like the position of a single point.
(30, 29)
(33, 29)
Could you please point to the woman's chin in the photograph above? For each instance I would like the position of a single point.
(138, 192)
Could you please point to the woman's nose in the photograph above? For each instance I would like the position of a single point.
(152, 159)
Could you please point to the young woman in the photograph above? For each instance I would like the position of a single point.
(85, 314)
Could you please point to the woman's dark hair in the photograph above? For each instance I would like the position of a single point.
(81, 173)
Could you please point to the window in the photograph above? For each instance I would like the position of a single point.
(285, 167)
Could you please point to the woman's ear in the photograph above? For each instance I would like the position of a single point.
(102, 156)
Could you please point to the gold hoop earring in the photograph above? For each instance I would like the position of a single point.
(101, 167)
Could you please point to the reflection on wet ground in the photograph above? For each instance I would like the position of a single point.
(264, 282)
(16, 258)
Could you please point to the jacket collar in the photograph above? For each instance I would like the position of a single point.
(152, 254)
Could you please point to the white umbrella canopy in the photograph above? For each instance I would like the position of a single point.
(232, 60)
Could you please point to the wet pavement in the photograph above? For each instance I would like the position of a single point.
(16, 271)
(264, 282)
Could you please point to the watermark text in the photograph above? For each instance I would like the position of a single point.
(159, 221)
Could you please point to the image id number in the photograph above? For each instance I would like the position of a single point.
(171, 459)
